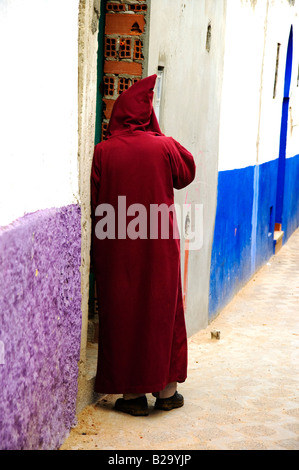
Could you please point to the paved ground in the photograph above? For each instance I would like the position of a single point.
(242, 391)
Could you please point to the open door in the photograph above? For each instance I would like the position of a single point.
(92, 310)
(278, 233)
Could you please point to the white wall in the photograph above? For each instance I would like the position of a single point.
(250, 117)
(190, 110)
(281, 16)
(241, 85)
(38, 111)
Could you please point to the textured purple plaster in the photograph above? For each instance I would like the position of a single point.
(40, 328)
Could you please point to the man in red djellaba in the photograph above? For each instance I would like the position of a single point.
(142, 333)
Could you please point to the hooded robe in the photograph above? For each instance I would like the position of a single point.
(142, 334)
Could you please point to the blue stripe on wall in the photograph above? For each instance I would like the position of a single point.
(255, 206)
(266, 212)
(290, 214)
(231, 252)
(244, 225)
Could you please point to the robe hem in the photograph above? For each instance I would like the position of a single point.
(138, 388)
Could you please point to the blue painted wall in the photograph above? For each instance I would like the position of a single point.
(249, 202)
(290, 212)
(244, 225)
(231, 252)
(266, 213)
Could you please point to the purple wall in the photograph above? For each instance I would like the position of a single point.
(40, 328)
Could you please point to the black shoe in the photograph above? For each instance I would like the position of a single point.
(166, 404)
(136, 407)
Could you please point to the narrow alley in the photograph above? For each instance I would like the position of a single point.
(242, 390)
(214, 84)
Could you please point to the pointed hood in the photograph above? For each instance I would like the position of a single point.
(133, 109)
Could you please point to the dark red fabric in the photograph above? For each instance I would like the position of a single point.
(142, 334)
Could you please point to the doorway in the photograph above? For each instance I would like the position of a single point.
(93, 301)
(278, 234)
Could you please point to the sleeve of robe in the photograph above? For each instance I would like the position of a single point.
(182, 165)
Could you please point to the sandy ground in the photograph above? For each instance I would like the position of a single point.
(242, 389)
